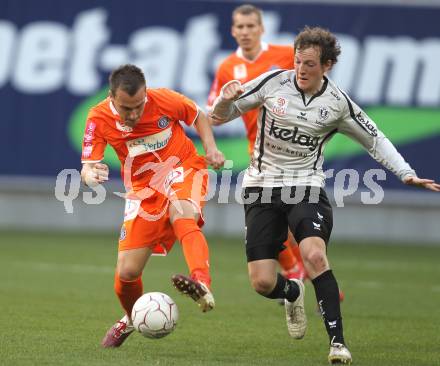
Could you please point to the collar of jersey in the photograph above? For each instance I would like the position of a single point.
(113, 109)
(320, 92)
(239, 52)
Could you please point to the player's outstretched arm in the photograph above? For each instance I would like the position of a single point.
(93, 174)
(423, 183)
(223, 109)
(214, 157)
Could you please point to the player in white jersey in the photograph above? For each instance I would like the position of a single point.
(283, 187)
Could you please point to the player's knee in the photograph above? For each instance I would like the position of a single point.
(316, 259)
(262, 285)
(129, 272)
(182, 209)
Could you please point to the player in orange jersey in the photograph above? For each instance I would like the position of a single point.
(253, 58)
(165, 179)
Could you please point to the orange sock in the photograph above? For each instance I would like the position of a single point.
(128, 292)
(286, 258)
(195, 249)
(296, 252)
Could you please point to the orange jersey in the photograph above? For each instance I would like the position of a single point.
(236, 67)
(149, 150)
(147, 222)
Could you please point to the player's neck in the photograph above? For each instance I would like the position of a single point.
(252, 54)
(315, 90)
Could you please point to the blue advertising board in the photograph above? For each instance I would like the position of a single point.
(55, 58)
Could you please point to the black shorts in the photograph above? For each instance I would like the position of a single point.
(270, 211)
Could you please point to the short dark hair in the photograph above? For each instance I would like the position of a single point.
(321, 38)
(129, 78)
(248, 9)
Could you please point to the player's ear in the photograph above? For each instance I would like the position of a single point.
(328, 66)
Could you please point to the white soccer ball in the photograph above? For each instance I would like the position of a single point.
(154, 315)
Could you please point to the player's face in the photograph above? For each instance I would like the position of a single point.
(247, 31)
(309, 70)
(129, 107)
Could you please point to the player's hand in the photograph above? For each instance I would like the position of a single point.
(101, 171)
(232, 90)
(423, 183)
(215, 158)
(96, 175)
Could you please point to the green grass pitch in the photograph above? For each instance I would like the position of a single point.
(57, 302)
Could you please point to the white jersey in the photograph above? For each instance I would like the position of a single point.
(293, 130)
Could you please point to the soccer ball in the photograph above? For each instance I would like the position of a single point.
(154, 315)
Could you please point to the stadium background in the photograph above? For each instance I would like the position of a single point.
(57, 253)
(55, 59)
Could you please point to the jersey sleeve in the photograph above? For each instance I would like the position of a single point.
(94, 144)
(254, 96)
(254, 92)
(184, 109)
(356, 124)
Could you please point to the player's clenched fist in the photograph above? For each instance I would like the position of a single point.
(215, 158)
(223, 105)
(232, 90)
(101, 171)
(94, 173)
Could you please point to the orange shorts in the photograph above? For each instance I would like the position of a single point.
(147, 221)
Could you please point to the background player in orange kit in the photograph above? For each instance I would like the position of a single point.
(165, 179)
(253, 58)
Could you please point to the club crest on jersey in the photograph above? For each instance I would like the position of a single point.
(280, 106)
(163, 122)
(323, 113)
(122, 127)
(240, 71)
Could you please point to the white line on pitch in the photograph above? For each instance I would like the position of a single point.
(71, 268)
